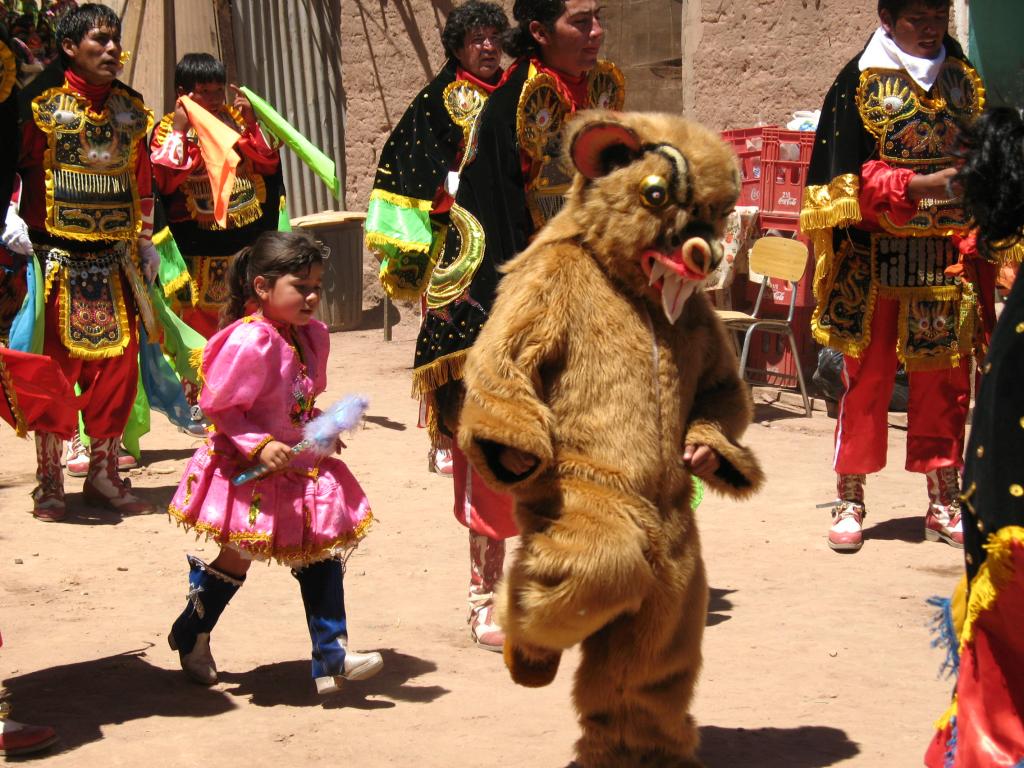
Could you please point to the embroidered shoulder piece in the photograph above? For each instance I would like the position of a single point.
(606, 87)
(91, 192)
(540, 119)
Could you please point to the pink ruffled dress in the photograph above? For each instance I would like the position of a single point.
(260, 381)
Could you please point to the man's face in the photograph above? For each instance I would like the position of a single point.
(574, 40)
(918, 30)
(210, 96)
(97, 58)
(480, 54)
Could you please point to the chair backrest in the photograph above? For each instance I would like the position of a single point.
(779, 257)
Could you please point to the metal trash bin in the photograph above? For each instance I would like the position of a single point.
(341, 302)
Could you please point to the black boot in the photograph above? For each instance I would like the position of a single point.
(323, 596)
(209, 592)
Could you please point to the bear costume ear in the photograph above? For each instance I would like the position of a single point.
(598, 148)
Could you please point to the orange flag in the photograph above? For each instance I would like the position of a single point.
(216, 145)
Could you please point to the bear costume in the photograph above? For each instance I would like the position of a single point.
(599, 363)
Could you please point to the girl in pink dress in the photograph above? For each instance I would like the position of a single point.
(261, 373)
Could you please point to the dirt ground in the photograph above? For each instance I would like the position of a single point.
(812, 658)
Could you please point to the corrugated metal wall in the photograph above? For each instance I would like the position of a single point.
(289, 52)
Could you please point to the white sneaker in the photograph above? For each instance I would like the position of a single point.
(358, 666)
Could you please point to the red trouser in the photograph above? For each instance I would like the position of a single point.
(113, 381)
(936, 411)
(477, 507)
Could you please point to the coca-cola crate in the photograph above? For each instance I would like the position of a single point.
(785, 156)
(747, 143)
(770, 352)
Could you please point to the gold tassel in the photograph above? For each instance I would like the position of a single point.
(994, 574)
(436, 374)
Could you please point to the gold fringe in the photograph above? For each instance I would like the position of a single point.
(437, 373)
(20, 428)
(195, 360)
(835, 204)
(171, 288)
(251, 455)
(377, 240)
(994, 574)
(401, 201)
(267, 551)
(396, 292)
(943, 722)
(1012, 255)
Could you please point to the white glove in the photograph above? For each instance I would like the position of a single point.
(451, 183)
(150, 258)
(15, 236)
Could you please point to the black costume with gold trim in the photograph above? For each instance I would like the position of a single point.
(882, 114)
(404, 229)
(513, 181)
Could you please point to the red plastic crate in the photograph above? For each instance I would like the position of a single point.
(771, 353)
(785, 156)
(747, 144)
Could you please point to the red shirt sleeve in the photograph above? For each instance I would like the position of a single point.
(253, 145)
(883, 189)
(30, 166)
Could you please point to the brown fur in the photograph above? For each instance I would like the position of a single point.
(564, 370)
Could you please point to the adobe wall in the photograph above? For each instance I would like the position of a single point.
(763, 59)
(390, 49)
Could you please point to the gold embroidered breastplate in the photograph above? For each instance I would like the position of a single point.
(91, 192)
(918, 130)
(540, 121)
(248, 193)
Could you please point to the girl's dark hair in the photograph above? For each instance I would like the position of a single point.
(992, 177)
(76, 23)
(467, 17)
(896, 7)
(518, 40)
(196, 68)
(273, 255)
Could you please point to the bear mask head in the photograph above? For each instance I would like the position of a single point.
(649, 201)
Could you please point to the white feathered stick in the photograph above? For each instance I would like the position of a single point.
(320, 434)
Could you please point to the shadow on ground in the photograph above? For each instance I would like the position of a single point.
(373, 317)
(718, 605)
(290, 683)
(908, 529)
(81, 698)
(810, 746)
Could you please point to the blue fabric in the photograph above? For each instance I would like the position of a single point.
(27, 329)
(208, 595)
(323, 596)
(161, 384)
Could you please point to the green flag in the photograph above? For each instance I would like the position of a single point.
(317, 161)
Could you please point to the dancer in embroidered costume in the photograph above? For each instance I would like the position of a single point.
(183, 182)
(984, 726)
(87, 200)
(417, 175)
(261, 374)
(511, 184)
(891, 283)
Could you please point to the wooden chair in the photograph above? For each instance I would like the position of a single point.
(784, 259)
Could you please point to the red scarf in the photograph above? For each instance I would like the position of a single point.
(96, 94)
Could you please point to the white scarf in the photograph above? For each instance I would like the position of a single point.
(883, 53)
